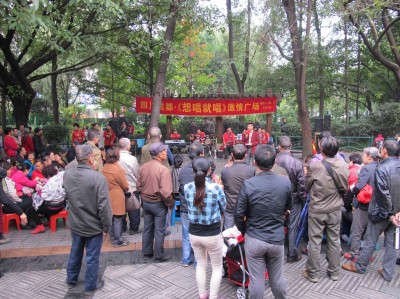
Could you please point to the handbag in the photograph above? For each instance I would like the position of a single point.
(365, 194)
(132, 201)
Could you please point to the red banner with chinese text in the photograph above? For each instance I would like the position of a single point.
(209, 107)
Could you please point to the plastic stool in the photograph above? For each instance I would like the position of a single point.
(7, 218)
(174, 217)
(53, 219)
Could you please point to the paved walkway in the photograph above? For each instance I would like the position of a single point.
(35, 268)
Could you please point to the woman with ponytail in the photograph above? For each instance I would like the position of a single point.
(206, 201)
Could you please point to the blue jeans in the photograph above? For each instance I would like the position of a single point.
(187, 251)
(134, 220)
(93, 248)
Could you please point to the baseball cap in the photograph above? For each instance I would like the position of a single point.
(157, 148)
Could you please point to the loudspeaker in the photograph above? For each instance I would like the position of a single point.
(327, 122)
(114, 125)
(319, 125)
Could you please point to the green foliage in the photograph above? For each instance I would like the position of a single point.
(386, 119)
(55, 134)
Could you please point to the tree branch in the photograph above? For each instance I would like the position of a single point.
(62, 71)
(280, 49)
(390, 37)
(28, 45)
(382, 34)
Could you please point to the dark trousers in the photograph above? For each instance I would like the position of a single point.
(33, 215)
(134, 221)
(228, 151)
(293, 228)
(24, 205)
(93, 248)
(117, 223)
(154, 228)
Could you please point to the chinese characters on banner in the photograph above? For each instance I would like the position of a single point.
(209, 107)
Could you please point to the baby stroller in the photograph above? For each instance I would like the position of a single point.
(237, 267)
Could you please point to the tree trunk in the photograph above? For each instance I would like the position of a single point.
(3, 110)
(321, 88)
(358, 75)
(300, 59)
(151, 61)
(22, 106)
(54, 95)
(346, 70)
(163, 65)
(239, 83)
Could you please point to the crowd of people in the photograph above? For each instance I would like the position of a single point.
(260, 192)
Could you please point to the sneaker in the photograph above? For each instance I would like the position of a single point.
(147, 256)
(4, 240)
(71, 285)
(380, 271)
(185, 265)
(349, 256)
(305, 274)
(334, 276)
(162, 259)
(123, 243)
(293, 259)
(206, 296)
(39, 229)
(100, 285)
(134, 232)
(351, 267)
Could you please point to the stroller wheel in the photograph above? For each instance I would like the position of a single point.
(241, 293)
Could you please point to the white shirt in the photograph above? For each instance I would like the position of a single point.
(131, 166)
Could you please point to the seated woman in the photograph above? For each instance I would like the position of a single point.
(10, 206)
(31, 161)
(47, 201)
(37, 173)
(10, 187)
(19, 174)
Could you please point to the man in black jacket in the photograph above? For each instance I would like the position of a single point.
(186, 175)
(295, 170)
(232, 177)
(262, 203)
(385, 203)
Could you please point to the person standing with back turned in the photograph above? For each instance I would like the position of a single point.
(89, 217)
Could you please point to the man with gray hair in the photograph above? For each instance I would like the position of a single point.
(89, 217)
(360, 212)
(295, 171)
(154, 136)
(232, 177)
(93, 140)
(131, 166)
(155, 185)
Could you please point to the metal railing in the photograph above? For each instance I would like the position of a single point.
(346, 143)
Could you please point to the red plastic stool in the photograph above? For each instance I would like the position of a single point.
(53, 219)
(7, 218)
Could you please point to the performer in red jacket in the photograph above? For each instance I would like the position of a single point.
(175, 135)
(250, 139)
(10, 144)
(109, 137)
(228, 140)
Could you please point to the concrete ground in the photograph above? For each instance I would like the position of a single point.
(34, 267)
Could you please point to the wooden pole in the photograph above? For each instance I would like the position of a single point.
(219, 122)
(268, 117)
